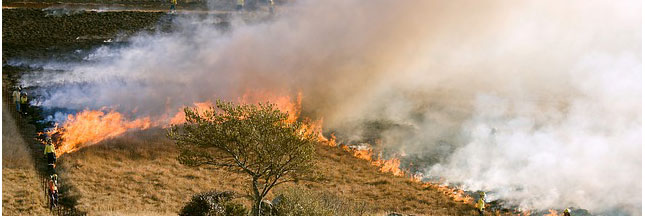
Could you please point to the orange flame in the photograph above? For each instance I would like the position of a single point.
(365, 154)
(455, 194)
(391, 165)
(92, 126)
(331, 141)
(180, 117)
(552, 212)
(283, 103)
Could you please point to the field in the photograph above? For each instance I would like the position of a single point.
(138, 174)
(21, 194)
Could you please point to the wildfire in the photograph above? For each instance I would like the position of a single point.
(92, 126)
(282, 102)
(391, 165)
(331, 141)
(365, 154)
(455, 194)
(552, 212)
(416, 177)
(180, 117)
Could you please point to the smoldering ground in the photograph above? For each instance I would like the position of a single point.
(538, 102)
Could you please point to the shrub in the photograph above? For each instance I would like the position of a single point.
(213, 203)
(296, 201)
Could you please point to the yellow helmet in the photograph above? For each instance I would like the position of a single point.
(482, 193)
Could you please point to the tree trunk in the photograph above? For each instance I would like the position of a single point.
(257, 207)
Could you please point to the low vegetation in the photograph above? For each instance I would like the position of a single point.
(20, 182)
(213, 203)
(302, 201)
(138, 173)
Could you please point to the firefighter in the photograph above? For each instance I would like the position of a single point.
(49, 153)
(240, 5)
(271, 7)
(16, 98)
(53, 191)
(23, 103)
(173, 4)
(567, 212)
(54, 178)
(481, 203)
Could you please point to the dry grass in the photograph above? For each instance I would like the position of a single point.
(138, 174)
(15, 152)
(21, 193)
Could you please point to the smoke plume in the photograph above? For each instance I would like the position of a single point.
(538, 102)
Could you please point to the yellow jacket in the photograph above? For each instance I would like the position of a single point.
(240, 2)
(16, 96)
(173, 2)
(49, 148)
(23, 99)
(480, 204)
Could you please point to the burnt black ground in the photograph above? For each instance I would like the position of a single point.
(37, 33)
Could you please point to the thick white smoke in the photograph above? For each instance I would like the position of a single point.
(537, 101)
(585, 154)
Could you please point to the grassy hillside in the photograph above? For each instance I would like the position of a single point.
(138, 174)
(21, 194)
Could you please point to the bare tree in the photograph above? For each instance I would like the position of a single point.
(253, 139)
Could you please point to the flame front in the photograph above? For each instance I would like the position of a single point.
(180, 117)
(455, 194)
(391, 165)
(282, 102)
(92, 126)
(552, 212)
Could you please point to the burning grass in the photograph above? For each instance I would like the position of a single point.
(150, 183)
(91, 126)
